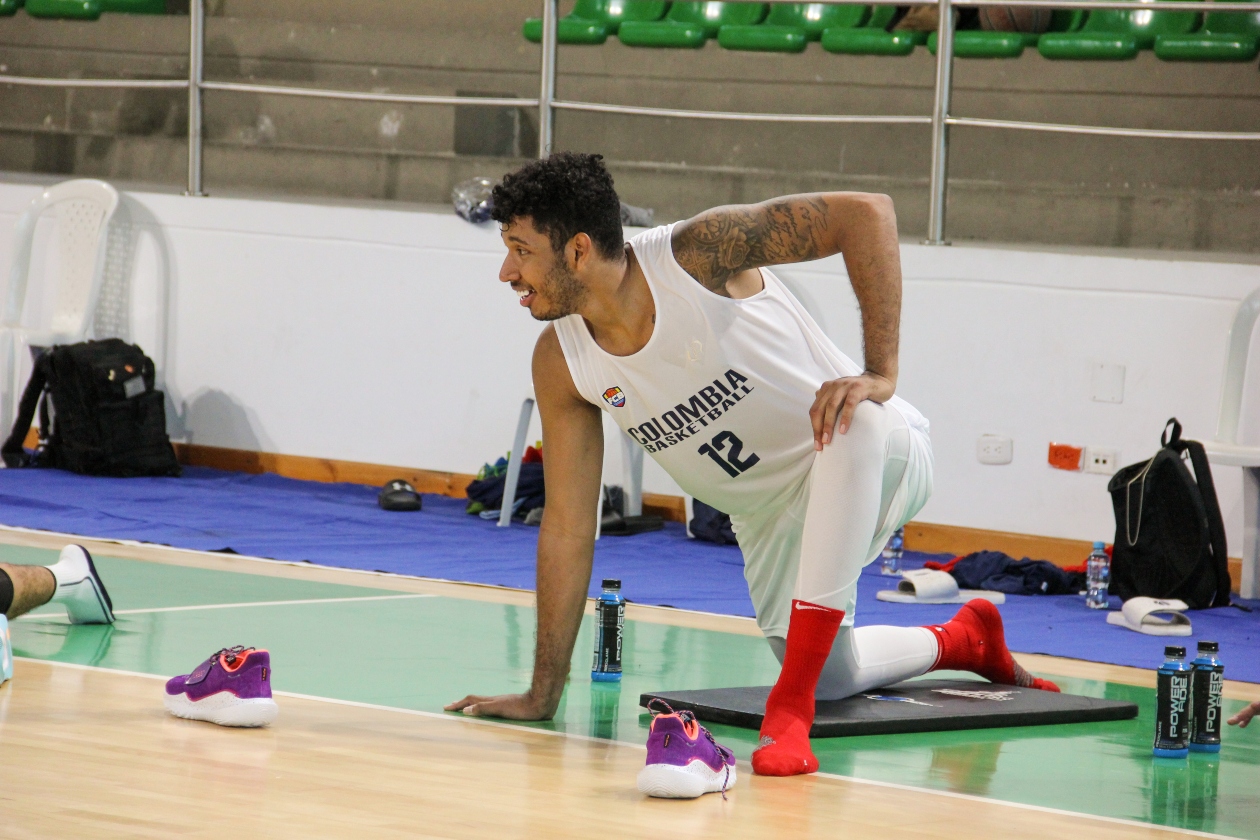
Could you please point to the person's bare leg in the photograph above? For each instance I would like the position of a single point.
(33, 586)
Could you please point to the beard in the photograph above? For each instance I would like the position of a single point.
(563, 292)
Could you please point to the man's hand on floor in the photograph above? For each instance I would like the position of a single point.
(1244, 717)
(510, 706)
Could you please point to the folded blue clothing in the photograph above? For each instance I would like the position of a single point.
(998, 572)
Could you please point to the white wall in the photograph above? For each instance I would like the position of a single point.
(381, 335)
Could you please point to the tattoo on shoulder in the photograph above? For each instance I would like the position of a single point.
(716, 245)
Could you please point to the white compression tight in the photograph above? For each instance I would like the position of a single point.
(853, 485)
(863, 658)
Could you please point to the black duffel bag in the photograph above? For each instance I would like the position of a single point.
(1170, 538)
(106, 416)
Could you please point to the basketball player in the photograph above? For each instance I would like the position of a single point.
(702, 356)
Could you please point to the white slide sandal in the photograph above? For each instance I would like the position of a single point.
(932, 586)
(1152, 616)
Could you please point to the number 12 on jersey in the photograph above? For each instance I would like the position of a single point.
(729, 460)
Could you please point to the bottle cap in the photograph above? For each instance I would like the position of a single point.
(610, 583)
(1175, 650)
(1208, 647)
(1100, 546)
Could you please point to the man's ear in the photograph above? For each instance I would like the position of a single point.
(579, 251)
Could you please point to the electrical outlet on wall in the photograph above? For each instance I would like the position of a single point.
(994, 449)
(1100, 459)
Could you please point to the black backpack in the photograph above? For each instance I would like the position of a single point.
(709, 523)
(107, 418)
(1170, 538)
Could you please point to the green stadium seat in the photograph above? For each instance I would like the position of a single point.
(790, 26)
(592, 21)
(1225, 36)
(872, 37)
(80, 9)
(690, 24)
(135, 7)
(978, 43)
(1111, 34)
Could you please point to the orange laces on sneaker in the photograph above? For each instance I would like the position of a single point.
(228, 656)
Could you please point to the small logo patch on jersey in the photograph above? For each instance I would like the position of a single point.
(614, 397)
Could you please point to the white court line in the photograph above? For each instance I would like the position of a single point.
(528, 729)
(271, 603)
(306, 564)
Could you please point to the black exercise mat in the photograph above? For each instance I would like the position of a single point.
(913, 706)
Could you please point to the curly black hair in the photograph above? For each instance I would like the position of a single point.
(564, 195)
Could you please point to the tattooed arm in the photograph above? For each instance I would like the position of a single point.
(722, 247)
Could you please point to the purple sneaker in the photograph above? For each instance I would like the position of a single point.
(231, 688)
(683, 760)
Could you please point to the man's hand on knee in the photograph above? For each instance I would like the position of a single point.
(838, 399)
(510, 706)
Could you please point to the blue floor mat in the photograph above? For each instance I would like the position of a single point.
(341, 525)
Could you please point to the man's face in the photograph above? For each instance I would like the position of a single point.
(539, 275)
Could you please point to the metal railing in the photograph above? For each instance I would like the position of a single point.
(940, 119)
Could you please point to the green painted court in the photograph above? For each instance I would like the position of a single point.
(418, 652)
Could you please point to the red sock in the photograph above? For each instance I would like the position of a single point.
(784, 749)
(973, 640)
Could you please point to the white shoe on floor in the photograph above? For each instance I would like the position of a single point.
(6, 651)
(79, 588)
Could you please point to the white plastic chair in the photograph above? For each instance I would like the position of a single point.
(1226, 449)
(83, 212)
(631, 451)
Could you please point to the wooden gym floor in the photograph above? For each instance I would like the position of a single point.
(363, 664)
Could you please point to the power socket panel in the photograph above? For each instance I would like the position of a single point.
(994, 449)
(1101, 460)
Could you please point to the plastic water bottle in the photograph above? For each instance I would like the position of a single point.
(1098, 575)
(473, 199)
(890, 562)
(1172, 705)
(610, 621)
(1206, 682)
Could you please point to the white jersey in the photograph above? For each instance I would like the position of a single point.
(720, 394)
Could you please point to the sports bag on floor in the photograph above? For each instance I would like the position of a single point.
(106, 416)
(1170, 538)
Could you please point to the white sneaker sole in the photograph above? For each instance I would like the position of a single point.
(669, 781)
(6, 651)
(224, 708)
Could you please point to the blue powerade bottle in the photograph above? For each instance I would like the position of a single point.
(610, 620)
(1172, 705)
(1206, 685)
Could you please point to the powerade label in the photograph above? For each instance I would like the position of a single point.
(1172, 724)
(610, 618)
(1208, 683)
